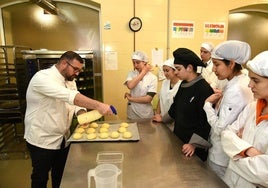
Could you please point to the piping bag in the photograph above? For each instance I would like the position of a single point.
(92, 115)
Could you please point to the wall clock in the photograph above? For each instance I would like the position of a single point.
(135, 24)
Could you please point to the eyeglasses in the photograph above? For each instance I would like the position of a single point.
(76, 69)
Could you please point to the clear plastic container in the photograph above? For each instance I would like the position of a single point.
(105, 176)
(112, 157)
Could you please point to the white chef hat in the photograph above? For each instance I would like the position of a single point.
(259, 64)
(235, 50)
(208, 46)
(141, 56)
(170, 63)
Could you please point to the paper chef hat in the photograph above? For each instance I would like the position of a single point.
(259, 64)
(208, 46)
(235, 50)
(170, 63)
(141, 56)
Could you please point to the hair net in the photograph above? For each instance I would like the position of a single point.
(208, 46)
(141, 56)
(235, 50)
(170, 63)
(259, 64)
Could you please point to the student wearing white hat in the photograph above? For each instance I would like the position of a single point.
(205, 54)
(142, 84)
(207, 72)
(227, 58)
(168, 89)
(246, 140)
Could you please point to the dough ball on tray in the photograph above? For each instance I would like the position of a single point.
(84, 126)
(103, 130)
(94, 125)
(104, 135)
(105, 125)
(124, 124)
(91, 136)
(127, 134)
(114, 134)
(77, 136)
(122, 129)
(79, 130)
(90, 130)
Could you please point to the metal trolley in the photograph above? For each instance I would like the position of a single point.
(13, 85)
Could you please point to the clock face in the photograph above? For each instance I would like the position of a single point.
(135, 24)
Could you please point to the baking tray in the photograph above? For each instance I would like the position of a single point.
(113, 127)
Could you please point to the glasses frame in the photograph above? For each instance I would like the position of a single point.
(76, 69)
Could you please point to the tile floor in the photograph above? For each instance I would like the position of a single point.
(15, 167)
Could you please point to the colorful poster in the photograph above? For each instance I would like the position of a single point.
(214, 30)
(182, 29)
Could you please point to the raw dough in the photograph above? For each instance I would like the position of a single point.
(127, 134)
(90, 130)
(94, 125)
(105, 125)
(124, 124)
(122, 129)
(91, 136)
(79, 130)
(84, 126)
(104, 135)
(77, 136)
(103, 130)
(114, 134)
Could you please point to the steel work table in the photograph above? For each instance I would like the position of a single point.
(153, 161)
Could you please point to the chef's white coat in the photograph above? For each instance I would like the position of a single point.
(166, 95)
(246, 172)
(236, 96)
(50, 109)
(147, 84)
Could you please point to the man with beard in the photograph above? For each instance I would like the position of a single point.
(52, 100)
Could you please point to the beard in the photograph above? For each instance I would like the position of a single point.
(67, 76)
(70, 78)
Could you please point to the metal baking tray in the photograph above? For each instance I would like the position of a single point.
(113, 127)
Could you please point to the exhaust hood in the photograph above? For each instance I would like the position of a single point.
(48, 6)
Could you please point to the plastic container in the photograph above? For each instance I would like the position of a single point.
(105, 176)
(92, 115)
(112, 157)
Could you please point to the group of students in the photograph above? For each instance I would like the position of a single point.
(213, 99)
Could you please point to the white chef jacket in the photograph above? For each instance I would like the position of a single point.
(248, 171)
(166, 95)
(50, 109)
(236, 96)
(208, 74)
(147, 84)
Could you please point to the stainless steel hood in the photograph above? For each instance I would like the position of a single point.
(47, 5)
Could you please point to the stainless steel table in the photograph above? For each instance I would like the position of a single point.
(154, 161)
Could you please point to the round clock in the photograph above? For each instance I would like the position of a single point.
(135, 24)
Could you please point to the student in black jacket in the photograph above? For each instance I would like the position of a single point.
(187, 108)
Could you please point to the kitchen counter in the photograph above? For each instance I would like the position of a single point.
(154, 161)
